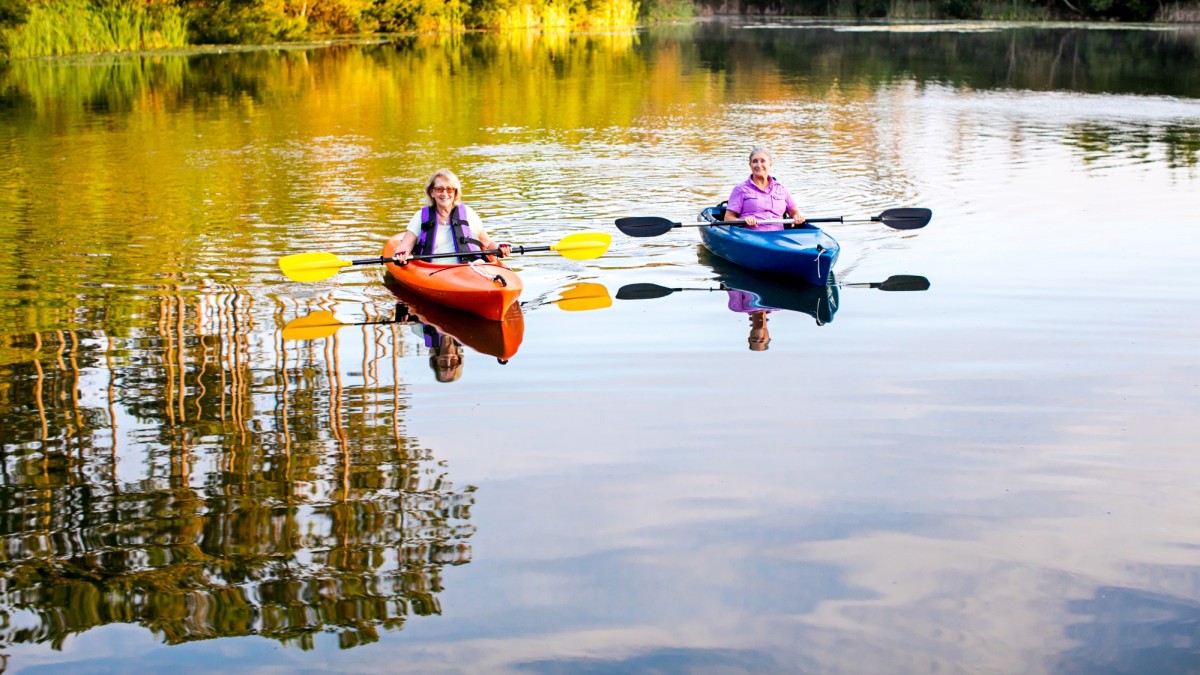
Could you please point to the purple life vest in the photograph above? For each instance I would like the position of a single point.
(431, 335)
(459, 228)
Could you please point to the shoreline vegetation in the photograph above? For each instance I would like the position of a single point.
(34, 28)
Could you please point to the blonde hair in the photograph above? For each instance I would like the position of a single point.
(448, 176)
(447, 346)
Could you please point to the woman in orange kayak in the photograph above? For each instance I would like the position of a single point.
(445, 224)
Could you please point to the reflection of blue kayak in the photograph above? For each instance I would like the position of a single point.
(805, 252)
(768, 292)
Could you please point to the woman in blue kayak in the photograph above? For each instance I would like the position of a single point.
(761, 197)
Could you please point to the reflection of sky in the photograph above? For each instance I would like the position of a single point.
(941, 495)
(955, 474)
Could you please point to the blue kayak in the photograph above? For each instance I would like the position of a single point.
(771, 292)
(804, 252)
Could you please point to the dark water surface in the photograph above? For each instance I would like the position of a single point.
(995, 474)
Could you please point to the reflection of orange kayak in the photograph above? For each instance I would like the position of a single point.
(500, 339)
(484, 288)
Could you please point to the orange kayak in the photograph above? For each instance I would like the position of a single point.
(500, 339)
(487, 289)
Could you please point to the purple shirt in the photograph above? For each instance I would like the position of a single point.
(744, 301)
(747, 199)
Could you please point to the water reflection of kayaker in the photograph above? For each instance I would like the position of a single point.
(445, 224)
(767, 292)
(759, 337)
(445, 355)
(446, 351)
(748, 303)
(761, 197)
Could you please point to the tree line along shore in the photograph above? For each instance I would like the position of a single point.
(32, 28)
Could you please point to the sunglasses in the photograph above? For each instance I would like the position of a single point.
(443, 189)
(447, 360)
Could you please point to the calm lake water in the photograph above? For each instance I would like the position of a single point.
(203, 469)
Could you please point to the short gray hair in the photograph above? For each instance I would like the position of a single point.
(760, 149)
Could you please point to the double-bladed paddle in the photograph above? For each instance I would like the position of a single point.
(899, 282)
(319, 265)
(323, 323)
(898, 219)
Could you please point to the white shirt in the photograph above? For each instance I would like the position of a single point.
(444, 240)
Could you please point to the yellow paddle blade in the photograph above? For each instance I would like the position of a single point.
(583, 245)
(317, 325)
(315, 266)
(584, 296)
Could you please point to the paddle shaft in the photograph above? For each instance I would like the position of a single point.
(652, 226)
(900, 219)
(786, 221)
(430, 256)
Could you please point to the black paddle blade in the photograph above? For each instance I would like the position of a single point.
(904, 282)
(647, 226)
(905, 219)
(643, 292)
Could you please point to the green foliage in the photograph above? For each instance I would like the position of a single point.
(1122, 10)
(408, 15)
(242, 21)
(1178, 12)
(610, 13)
(256, 21)
(559, 15)
(872, 9)
(662, 11)
(341, 17)
(47, 27)
(13, 12)
(1013, 10)
(78, 26)
(959, 9)
(844, 9)
(1027, 10)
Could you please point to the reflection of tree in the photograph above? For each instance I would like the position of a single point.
(313, 515)
(173, 562)
(1181, 145)
(854, 66)
(1036, 59)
